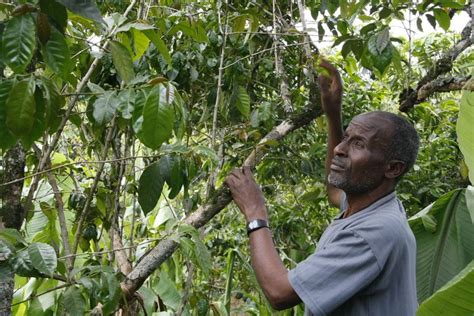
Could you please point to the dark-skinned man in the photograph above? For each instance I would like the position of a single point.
(364, 263)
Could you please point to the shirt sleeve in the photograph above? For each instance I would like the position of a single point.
(332, 275)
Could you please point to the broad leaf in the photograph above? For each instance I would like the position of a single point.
(74, 301)
(127, 103)
(150, 187)
(23, 266)
(140, 44)
(242, 101)
(383, 38)
(166, 290)
(464, 130)
(122, 61)
(18, 42)
(442, 18)
(56, 11)
(85, 8)
(445, 235)
(43, 258)
(6, 137)
(21, 107)
(105, 107)
(56, 53)
(159, 44)
(454, 298)
(158, 118)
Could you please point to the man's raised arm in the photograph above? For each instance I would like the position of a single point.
(331, 100)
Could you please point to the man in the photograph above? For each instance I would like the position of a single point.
(365, 260)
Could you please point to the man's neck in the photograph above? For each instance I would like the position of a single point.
(358, 202)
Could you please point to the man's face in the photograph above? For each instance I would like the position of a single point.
(359, 162)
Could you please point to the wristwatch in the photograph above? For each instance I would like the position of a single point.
(256, 224)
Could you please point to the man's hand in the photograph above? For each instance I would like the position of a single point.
(331, 90)
(247, 194)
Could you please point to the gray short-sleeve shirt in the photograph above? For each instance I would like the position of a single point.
(363, 265)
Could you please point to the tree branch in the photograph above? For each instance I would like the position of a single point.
(410, 97)
(218, 201)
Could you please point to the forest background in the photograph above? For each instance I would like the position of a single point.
(119, 121)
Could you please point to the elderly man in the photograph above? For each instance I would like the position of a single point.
(364, 263)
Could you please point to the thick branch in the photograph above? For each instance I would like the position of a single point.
(219, 200)
(444, 85)
(410, 97)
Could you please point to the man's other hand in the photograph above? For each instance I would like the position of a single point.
(247, 194)
(331, 89)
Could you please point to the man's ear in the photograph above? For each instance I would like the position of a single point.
(394, 169)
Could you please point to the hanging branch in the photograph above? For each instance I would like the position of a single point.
(426, 86)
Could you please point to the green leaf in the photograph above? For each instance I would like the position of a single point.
(150, 186)
(167, 291)
(454, 298)
(383, 39)
(443, 253)
(229, 279)
(56, 11)
(23, 266)
(464, 130)
(242, 101)
(442, 18)
(18, 42)
(6, 137)
(105, 107)
(159, 44)
(140, 44)
(379, 60)
(74, 302)
(53, 103)
(127, 103)
(21, 107)
(122, 61)
(158, 117)
(12, 235)
(56, 53)
(43, 258)
(85, 8)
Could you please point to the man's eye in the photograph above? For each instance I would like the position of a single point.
(358, 143)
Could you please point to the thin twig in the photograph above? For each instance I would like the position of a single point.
(77, 163)
(43, 293)
(85, 210)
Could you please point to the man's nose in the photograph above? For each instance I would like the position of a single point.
(340, 149)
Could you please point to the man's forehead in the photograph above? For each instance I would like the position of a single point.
(370, 124)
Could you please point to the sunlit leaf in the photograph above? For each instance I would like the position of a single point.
(140, 44)
(19, 41)
(464, 130)
(442, 18)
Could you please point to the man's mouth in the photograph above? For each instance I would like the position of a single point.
(336, 165)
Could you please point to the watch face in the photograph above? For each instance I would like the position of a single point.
(253, 224)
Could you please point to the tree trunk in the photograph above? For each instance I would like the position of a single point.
(12, 215)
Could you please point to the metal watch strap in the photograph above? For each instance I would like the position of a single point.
(256, 224)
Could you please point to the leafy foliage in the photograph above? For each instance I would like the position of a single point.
(137, 148)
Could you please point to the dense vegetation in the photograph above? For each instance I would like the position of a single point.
(119, 121)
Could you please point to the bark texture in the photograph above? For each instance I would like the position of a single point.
(12, 215)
